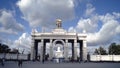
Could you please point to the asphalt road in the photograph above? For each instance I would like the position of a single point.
(30, 64)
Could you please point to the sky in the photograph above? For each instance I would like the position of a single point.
(100, 19)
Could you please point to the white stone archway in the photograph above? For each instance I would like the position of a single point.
(58, 43)
(58, 40)
(59, 35)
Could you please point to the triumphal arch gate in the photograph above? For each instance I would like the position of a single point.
(59, 37)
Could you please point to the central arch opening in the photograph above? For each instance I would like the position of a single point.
(58, 49)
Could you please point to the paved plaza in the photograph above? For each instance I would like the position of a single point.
(30, 64)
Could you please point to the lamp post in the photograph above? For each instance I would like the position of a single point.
(18, 50)
(100, 54)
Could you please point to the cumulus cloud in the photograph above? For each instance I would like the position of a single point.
(89, 22)
(101, 29)
(23, 43)
(106, 34)
(44, 12)
(118, 29)
(89, 10)
(71, 29)
(86, 24)
(8, 23)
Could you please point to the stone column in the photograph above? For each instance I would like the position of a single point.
(75, 49)
(84, 50)
(72, 51)
(41, 50)
(33, 50)
(39, 46)
(51, 50)
(81, 50)
(66, 50)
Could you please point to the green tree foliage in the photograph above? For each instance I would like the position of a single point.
(100, 51)
(114, 49)
(96, 52)
(5, 49)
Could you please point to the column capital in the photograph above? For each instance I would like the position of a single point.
(51, 40)
(75, 40)
(42, 40)
(66, 40)
(84, 43)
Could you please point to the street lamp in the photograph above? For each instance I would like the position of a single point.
(99, 54)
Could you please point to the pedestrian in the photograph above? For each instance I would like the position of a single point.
(43, 61)
(20, 63)
(2, 61)
(88, 57)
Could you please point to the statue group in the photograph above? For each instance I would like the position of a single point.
(58, 23)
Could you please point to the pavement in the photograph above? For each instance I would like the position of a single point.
(31, 64)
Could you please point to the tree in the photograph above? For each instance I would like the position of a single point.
(118, 48)
(96, 52)
(114, 49)
(100, 51)
(4, 48)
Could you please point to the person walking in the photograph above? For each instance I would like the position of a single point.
(88, 57)
(2, 61)
(20, 63)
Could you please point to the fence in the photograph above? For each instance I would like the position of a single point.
(14, 56)
(104, 57)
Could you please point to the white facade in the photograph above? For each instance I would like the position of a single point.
(59, 36)
(58, 53)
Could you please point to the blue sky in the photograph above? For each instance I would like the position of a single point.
(99, 18)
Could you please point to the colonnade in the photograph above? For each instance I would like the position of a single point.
(74, 42)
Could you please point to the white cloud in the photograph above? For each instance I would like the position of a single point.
(101, 29)
(44, 12)
(71, 29)
(86, 24)
(117, 15)
(89, 10)
(8, 23)
(118, 29)
(107, 32)
(8, 31)
(23, 42)
(89, 23)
